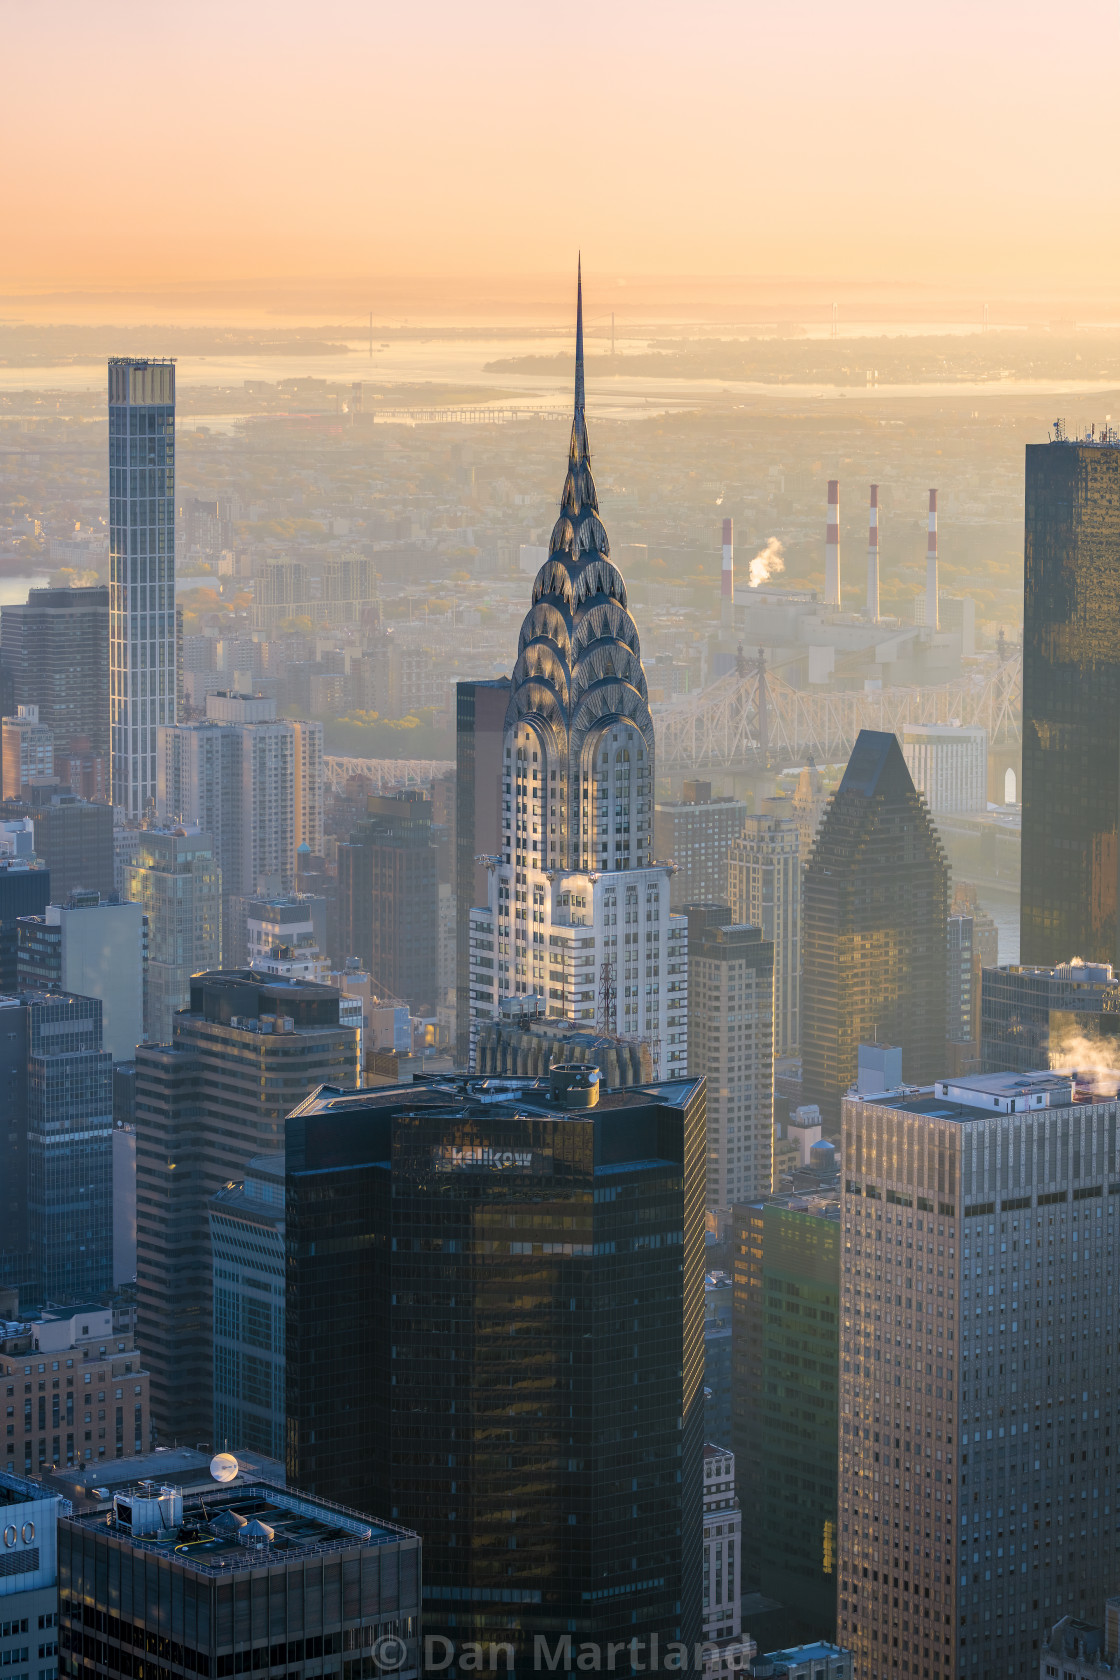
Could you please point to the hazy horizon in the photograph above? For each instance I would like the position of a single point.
(950, 150)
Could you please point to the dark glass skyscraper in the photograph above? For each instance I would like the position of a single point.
(1071, 702)
(785, 1407)
(142, 625)
(69, 1147)
(502, 1343)
(876, 901)
(480, 717)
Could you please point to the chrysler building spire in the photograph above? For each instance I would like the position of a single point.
(577, 791)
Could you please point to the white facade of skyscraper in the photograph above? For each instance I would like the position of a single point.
(578, 921)
(235, 776)
(949, 764)
(764, 891)
(142, 631)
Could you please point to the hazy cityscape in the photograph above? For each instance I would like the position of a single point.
(559, 848)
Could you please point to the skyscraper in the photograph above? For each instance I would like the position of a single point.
(731, 1045)
(142, 626)
(244, 777)
(1071, 702)
(56, 646)
(578, 914)
(764, 891)
(73, 839)
(25, 890)
(785, 1404)
(1034, 1018)
(178, 885)
(69, 1085)
(695, 832)
(388, 897)
(480, 716)
(977, 1388)
(247, 1255)
(95, 950)
(248, 1050)
(876, 900)
(509, 1306)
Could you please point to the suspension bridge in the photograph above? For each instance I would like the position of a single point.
(752, 717)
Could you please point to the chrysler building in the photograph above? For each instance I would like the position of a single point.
(578, 923)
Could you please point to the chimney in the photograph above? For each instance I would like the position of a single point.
(873, 558)
(933, 621)
(727, 576)
(832, 547)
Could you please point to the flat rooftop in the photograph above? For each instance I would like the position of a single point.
(16, 1490)
(976, 1097)
(182, 1468)
(244, 1527)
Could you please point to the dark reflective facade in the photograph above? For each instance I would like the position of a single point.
(1071, 703)
(1033, 1018)
(874, 912)
(494, 1334)
(785, 1408)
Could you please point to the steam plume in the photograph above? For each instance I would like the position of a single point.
(767, 563)
(1093, 1058)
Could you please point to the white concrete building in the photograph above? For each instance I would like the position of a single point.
(578, 914)
(764, 891)
(252, 781)
(723, 1546)
(949, 765)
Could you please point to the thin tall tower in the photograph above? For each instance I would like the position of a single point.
(727, 575)
(832, 547)
(142, 639)
(932, 617)
(873, 557)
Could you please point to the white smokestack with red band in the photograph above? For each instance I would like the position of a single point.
(727, 576)
(832, 547)
(932, 615)
(873, 557)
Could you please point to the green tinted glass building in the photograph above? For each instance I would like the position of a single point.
(784, 1418)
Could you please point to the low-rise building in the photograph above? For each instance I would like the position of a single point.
(817, 1661)
(29, 1579)
(241, 1579)
(1075, 1649)
(76, 1391)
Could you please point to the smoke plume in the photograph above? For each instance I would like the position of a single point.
(767, 563)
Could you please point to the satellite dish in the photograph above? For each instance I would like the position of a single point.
(224, 1467)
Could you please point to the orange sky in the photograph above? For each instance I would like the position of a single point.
(206, 141)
